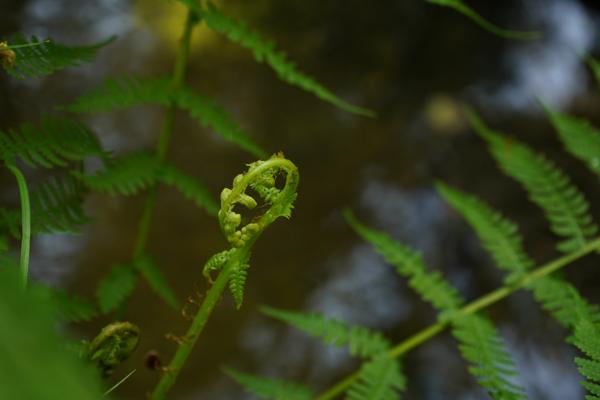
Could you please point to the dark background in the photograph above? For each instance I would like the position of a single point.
(414, 64)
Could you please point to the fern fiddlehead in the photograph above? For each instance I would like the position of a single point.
(232, 264)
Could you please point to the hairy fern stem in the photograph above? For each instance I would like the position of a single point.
(25, 221)
(471, 308)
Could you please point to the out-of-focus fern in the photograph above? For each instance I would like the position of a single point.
(361, 341)
(115, 287)
(267, 388)
(55, 142)
(564, 205)
(265, 51)
(130, 174)
(579, 137)
(133, 91)
(586, 339)
(481, 345)
(464, 9)
(380, 378)
(46, 57)
(500, 236)
(69, 307)
(595, 67)
(155, 278)
(431, 286)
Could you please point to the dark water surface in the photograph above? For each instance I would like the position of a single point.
(411, 62)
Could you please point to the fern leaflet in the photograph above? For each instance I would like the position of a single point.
(153, 275)
(467, 11)
(69, 307)
(499, 235)
(237, 283)
(431, 286)
(361, 341)
(491, 364)
(579, 137)
(115, 287)
(189, 186)
(380, 378)
(55, 142)
(47, 57)
(264, 51)
(587, 339)
(564, 205)
(267, 388)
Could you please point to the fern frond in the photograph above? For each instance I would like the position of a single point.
(489, 361)
(115, 287)
(190, 187)
(47, 57)
(380, 378)
(579, 137)
(264, 51)
(467, 11)
(237, 283)
(267, 388)
(132, 91)
(361, 341)
(431, 286)
(72, 308)
(564, 205)
(155, 278)
(55, 142)
(587, 339)
(499, 236)
(563, 301)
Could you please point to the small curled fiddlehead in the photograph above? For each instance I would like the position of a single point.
(113, 345)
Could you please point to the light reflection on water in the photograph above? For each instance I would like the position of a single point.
(332, 269)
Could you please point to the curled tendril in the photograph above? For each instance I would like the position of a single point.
(260, 177)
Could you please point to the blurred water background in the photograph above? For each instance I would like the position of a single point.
(415, 64)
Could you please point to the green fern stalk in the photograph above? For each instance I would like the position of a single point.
(261, 177)
(25, 221)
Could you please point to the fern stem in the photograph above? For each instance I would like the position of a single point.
(471, 308)
(166, 131)
(189, 340)
(25, 221)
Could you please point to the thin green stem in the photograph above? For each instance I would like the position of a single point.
(189, 340)
(25, 221)
(471, 308)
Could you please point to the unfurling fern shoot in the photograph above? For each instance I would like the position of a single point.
(232, 264)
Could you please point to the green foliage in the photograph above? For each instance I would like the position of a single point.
(46, 57)
(595, 67)
(115, 287)
(132, 91)
(467, 11)
(134, 172)
(378, 379)
(431, 286)
(265, 51)
(579, 137)
(267, 388)
(586, 339)
(491, 364)
(55, 142)
(237, 283)
(361, 341)
(71, 308)
(499, 235)
(155, 278)
(564, 205)
(36, 363)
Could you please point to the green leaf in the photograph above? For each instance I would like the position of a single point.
(378, 379)
(489, 361)
(595, 67)
(579, 137)
(587, 339)
(267, 388)
(431, 286)
(564, 205)
(467, 11)
(499, 236)
(72, 308)
(237, 283)
(47, 57)
(36, 362)
(361, 341)
(115, 287)
(156, 280)
(190, 187)
(264, 51)
(55, 142)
